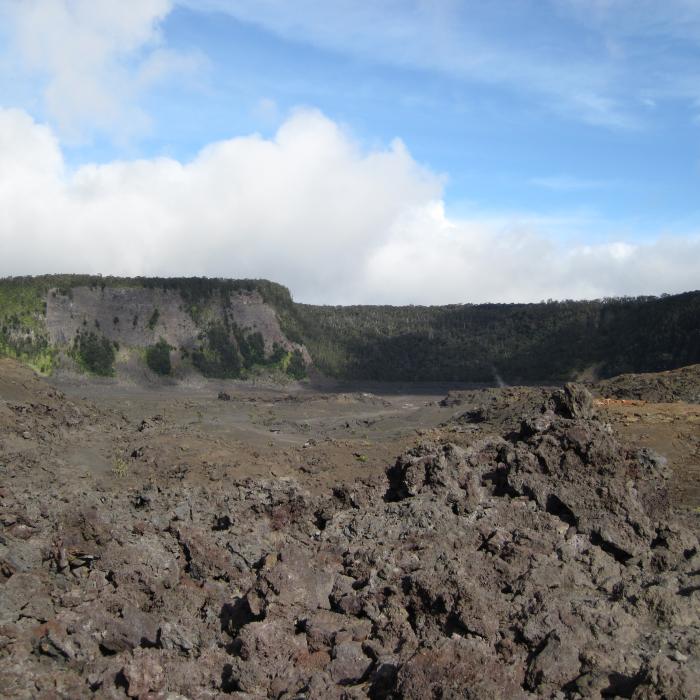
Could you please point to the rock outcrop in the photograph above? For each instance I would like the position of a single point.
(138, 316)
(538, 563)
(656, 387)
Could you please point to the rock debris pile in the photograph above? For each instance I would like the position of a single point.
(674, 385)
(541, 563)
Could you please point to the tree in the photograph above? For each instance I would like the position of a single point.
(218, 355)
(296, 367)
(95, 352)
(158, 357)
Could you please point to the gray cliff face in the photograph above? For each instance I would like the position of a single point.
(249, 310)
(138, 317)
(123, 315)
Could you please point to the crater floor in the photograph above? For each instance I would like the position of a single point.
(293, 543)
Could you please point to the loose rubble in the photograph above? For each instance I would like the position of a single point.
(540, 561)
(660, 387)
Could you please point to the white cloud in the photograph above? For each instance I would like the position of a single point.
(441, 261)
(595, 61)
(469, 40)
(92, 57)
(592, 60)
(309, 208)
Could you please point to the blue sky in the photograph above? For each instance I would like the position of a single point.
(501, 144)
(553, 138)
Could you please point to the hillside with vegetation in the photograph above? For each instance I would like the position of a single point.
(104, 325)
(518, 342)
(205, 324)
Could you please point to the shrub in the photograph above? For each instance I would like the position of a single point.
(218, 356)
(120, 467)
(154, 319)
(256, 343)
(158, 357)
(296, 367)
(95, 353)
(252, 348)
(278, 354)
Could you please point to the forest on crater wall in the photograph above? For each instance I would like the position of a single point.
(515, 342)
(548, 341)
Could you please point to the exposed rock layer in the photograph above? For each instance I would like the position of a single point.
(138, 316)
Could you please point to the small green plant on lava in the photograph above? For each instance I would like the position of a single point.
(120, 467)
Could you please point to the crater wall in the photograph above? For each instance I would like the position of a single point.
(139, 317)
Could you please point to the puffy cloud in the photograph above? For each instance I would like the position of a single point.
(432, 259)
(310, 208)
(93, 58)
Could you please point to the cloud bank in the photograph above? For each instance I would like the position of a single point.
(310, 208)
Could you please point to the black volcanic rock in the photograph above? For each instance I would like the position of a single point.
(541, 563)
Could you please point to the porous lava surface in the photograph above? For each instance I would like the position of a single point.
(660, 387)
(542, 562)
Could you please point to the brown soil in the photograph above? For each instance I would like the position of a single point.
(672, 430)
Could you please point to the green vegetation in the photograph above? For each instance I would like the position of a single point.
(120, 467)
(158, 357)
(21, 304)
(519, 342)
(27, 344)
(474, 343)
(94, 352)
(198, 292)
(22, 329)
(296, 367)
(278, 354)
(25, 297)
(252, 348)
(42, 362)
(154, 319)
(217, 356)
(227, 352)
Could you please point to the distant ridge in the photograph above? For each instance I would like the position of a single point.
(211, 327)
